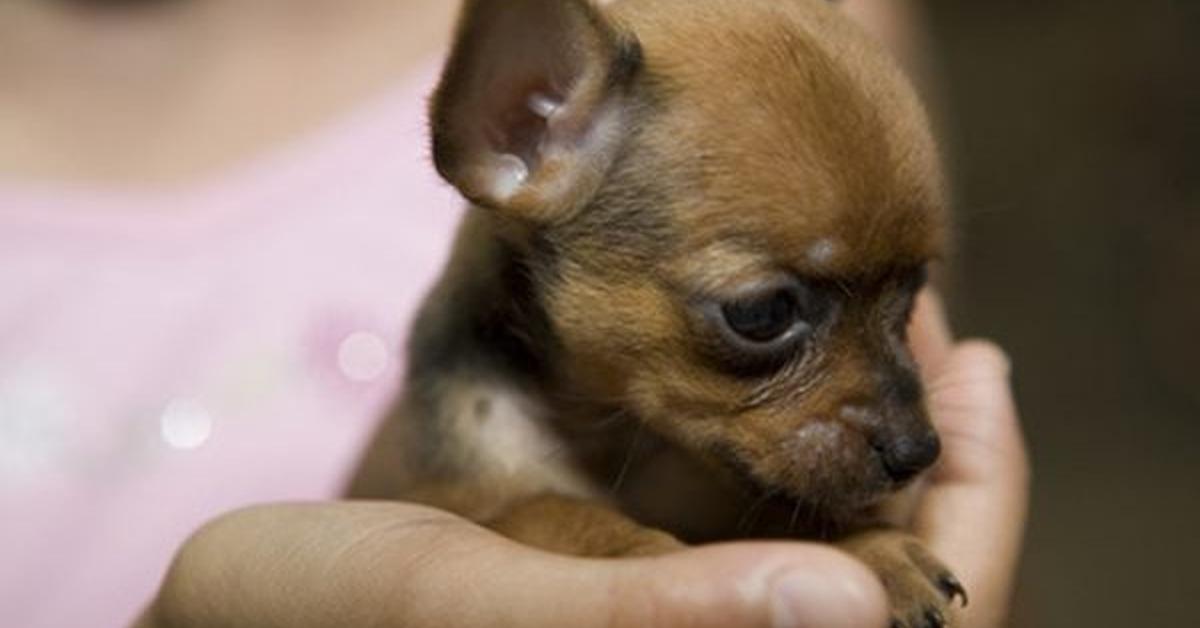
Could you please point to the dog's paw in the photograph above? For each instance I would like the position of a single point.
(580, 527)
(645, 542)
(922, 591)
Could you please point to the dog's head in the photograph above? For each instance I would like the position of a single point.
(727, 209)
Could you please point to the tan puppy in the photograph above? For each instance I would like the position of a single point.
(677, 308)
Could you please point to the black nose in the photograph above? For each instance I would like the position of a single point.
(906, 456)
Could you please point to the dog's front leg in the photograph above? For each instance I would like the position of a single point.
(580, 527)
(920, 588)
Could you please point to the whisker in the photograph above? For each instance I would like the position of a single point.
(619, 481)
(751, 516)
(795, 517)
(845, 287)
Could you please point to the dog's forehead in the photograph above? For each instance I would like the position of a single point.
(789, 128)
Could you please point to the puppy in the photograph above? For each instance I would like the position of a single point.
(676, 310)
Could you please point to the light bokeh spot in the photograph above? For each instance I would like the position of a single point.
(363, 357)
(186, 424)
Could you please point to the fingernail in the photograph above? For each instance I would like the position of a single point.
(807, 598)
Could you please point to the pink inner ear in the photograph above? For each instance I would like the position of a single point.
(535, 63)
(521, 124)
(524, 89)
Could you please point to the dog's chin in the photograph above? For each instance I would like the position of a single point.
(829, 505)
(821, 498)
(823, 512)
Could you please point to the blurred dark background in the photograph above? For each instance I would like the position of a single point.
(1074, 134)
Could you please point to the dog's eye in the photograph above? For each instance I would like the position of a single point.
(764, 319)
(765, 327)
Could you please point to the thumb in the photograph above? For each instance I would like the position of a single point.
(780, 585)
(394, 564)
(476, 578)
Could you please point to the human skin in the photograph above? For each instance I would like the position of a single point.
(339, 564)
(175, 91)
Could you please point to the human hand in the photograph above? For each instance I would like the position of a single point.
(972, 513)
(391, 564)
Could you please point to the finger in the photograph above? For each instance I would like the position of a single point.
(974, 510)
(391, 564)
(777, 585)
(929, 334)
(972, 407)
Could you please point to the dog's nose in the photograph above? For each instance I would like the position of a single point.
(906, 456)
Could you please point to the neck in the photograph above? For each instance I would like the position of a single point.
(158, 90)
(92, 37)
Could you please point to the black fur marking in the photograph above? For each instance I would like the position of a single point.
(495, 326)
(627, 62)
(902, 387)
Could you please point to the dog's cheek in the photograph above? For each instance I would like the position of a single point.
(609, 328)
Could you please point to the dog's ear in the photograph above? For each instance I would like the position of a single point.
(530, 110)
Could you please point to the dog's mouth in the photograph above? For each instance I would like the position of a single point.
(785, 488)
(815, 507)
(775, 512)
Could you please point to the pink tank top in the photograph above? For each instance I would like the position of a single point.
(169, 355)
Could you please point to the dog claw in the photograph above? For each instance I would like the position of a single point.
(952, 588)
(922, 591)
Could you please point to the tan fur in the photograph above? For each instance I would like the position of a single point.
(566, 388)
(839, 149)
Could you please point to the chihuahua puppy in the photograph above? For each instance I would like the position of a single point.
(676, 310)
